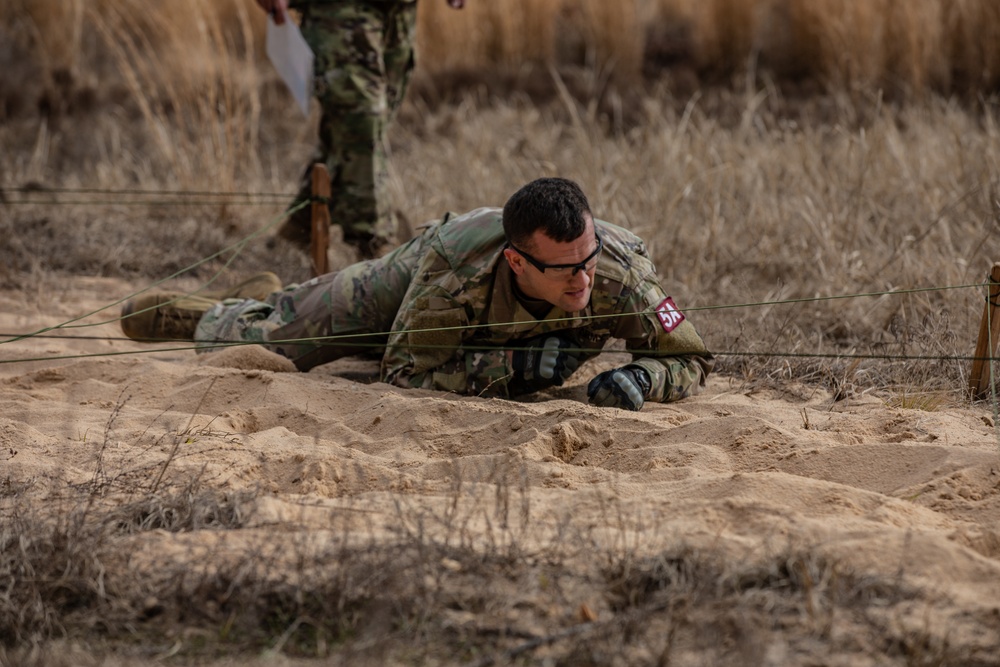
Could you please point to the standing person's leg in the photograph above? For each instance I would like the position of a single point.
(363, 58)
(400, 36)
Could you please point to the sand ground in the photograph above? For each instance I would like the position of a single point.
(885, 493)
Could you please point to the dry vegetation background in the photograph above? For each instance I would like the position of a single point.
(767, 151)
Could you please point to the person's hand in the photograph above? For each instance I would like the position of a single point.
(620, 388)
(278, 9)
(544, 361)
(456, 4)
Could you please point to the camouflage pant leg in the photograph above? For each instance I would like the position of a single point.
(364, 55)
(332, 316)
(243, 320)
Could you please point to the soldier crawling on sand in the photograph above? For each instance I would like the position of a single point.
(494, 302)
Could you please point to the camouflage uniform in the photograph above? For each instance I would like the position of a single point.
(443, 313)
(363, 58)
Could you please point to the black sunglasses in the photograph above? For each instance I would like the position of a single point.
(562, 269)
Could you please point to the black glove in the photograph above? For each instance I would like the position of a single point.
(620, 388)
(544, 362)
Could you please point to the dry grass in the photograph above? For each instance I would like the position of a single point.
(475, 579)
(747, 193)
(905, 48)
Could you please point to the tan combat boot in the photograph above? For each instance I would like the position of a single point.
(164, 316)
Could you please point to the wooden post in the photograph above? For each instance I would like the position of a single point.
(319, 238)
(989, 336)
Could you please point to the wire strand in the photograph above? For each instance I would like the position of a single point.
(72, 324)
(26, 189)
(44, 196)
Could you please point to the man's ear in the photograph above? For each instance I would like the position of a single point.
(514, 260)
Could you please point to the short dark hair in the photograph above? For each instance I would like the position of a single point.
(557, 206)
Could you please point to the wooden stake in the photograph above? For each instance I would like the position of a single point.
(319, 238)
(989, 336)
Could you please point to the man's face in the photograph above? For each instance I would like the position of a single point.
(567, 288)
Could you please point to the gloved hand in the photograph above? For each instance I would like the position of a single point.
(543, 362)
(625, 387)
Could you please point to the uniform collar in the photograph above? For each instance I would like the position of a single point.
(505, 308)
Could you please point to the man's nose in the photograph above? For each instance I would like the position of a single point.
(580, 279)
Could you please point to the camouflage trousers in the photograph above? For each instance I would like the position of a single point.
(332, 316)
(363, 58)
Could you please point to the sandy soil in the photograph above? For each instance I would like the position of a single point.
(886, 493)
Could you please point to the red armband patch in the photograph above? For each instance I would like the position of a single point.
(670, 317)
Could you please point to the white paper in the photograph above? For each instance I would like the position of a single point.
(293, 59)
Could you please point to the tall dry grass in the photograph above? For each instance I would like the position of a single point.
(200, 66)
(488, 35)
(905, 48)
(190, 71)
(191, 68)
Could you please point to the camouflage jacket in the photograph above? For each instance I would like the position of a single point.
(460, 315)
